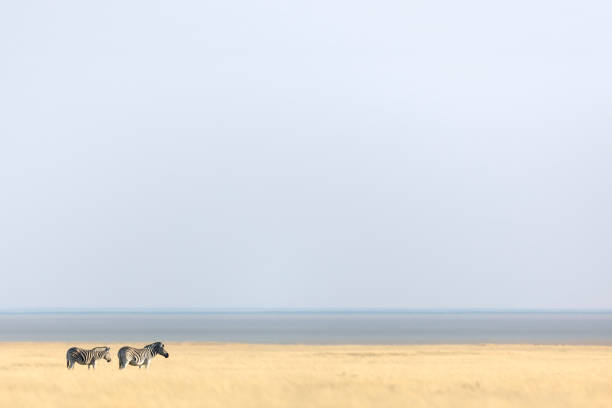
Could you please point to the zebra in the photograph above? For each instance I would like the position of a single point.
(89, 357)
(140, 357)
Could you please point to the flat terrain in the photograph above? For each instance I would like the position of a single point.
(248, 375)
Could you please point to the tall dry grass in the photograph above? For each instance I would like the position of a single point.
(237, 375)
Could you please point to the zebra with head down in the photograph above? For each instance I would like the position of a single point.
(86, 357)
(140, 357)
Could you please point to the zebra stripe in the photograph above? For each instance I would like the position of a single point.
(86, 357)
(140, 357)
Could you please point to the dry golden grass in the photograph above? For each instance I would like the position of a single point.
(245, 375)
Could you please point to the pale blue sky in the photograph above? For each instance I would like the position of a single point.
(392, 154)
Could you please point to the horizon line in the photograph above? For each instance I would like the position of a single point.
(286, 310)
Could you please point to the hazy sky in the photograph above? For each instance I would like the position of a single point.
(403, 154)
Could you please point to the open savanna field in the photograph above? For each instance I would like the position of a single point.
(254, 375)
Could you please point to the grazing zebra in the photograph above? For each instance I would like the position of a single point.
(140, 357)
(89, 357)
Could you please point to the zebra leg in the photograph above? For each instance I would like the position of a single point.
(93, 364)
(147, 363)
(123, 360)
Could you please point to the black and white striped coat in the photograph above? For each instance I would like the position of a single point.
(86, 357)
(139, 357)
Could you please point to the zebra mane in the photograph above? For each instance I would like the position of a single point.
(101, 348)
(154, 347)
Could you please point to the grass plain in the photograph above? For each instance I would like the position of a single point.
(255, 375)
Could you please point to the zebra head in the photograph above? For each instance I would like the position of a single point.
(106, 355)
(103, 352)
(158, 348)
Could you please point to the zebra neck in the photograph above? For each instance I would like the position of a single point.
(151, 350)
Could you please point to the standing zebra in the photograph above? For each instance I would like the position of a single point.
(140, 357)
(89, 357)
